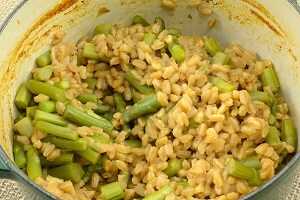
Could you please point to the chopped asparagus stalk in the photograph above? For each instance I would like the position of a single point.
(19, 117)
(160, 21)
(146, 106)
(103, 109)
(63, 84)
(51, 91)
(81, 118)
(24, 127)
(71, 172)
(30, 111)
(51, 118)
(80, 144)
(34, 168)
(261, 96)
(252, 161)
(140, 20)
(102, 29)
(91, 83)
(269, 78)
(47, 106)
(239, 170)
(44, 59)
(174, 165)
(91, 169)
(220, 58)
(63, 159)
(112, 191)
(160, 194)
(43, 73)
(146, 90)
(289, 133)
(19, 154)
(119, 102)
(133, 143)
(23, 97)
(89, 51)
(59, 131)
(175, 32)
(177, 52)
(273, 137)
(87, 97)
(89, 154)
(221, 84)
(212, 46)
(149, 38)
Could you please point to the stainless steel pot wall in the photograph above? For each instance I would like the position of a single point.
(270, 28)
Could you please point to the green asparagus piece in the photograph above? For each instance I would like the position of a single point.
(89, 154)
(32, 103)
(51, 118)
(44, 59)
(177, 52)
(63, 84)
(89, 51)
(91, 169)
(102, 29)
(47, 106)
(272, 119)
(133, 143)
(261, 96)
(192, 123)
(174, 165)
(23, 97)
(51, 91)
(71, 172)
(108, 116)
(212, 46)
(72, 145)
(19, 117)
(160, 194)
(63, 159)
(220, 58)
(87, 97)
(149, 38)
(146, 90)
(269, 78)
(221, 84)
(146, 106)
(103, 109)
(19, 154)
(184, 184)
(101, 139)
(59, 131)
(34, 168)
(239, 170)
(81, 118)
(276, 102)
(24, 127)
(91, 83)
(140, 20)
(119, 102)
(288, 131)
(30, 111)
(136, 96)
(273, 137)
(160, 21)
(252, 161)
(43, 73)
(112, 191)
(175, 32)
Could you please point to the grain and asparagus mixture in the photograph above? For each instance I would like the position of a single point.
(143, 112)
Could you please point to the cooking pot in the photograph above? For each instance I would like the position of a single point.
(270, 28)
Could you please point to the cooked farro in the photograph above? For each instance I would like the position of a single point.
(198, 123)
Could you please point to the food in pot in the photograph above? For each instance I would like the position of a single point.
(143, 111)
